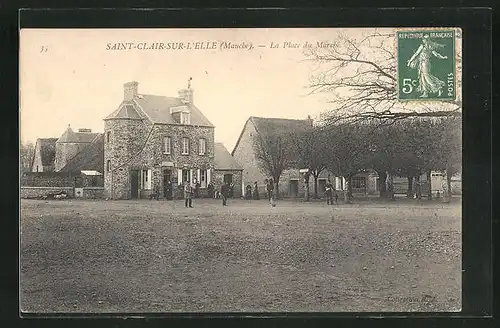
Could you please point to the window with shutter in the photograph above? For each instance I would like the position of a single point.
(185, 146)
(167, 145)
(202, 146)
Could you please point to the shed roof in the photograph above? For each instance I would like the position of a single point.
(71, 136)
(223, 159)
(90, 158)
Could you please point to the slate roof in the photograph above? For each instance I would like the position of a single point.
(47, 150)
(279, 125)
(267, 125)
(71, 136)
(126, 110)
(223, 159)
(90, 158)
(157, 109)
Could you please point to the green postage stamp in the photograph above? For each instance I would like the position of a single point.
(426, 64)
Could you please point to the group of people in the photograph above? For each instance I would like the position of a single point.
(191, 190)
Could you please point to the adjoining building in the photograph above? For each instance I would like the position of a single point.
(291, 182)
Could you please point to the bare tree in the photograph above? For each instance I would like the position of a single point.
(348, 153)
(360, 73)
(26, 153)
(311, 146)
(275, 153)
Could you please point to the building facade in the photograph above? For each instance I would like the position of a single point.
(156, 144)
(291, 182)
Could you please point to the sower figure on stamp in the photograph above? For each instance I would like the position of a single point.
(188, 194)
(421, 59)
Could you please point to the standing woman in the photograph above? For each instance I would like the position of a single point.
(271, 193)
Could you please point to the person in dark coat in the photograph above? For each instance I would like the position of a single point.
(329, 193)
(256, 191)
(231, 190)
(270, 191)
(188, 194)
(248, 192)
(210, 190)
(224, 191)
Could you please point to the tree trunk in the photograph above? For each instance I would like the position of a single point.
(315, 186)
(382, 177)
(429, 185)
(418, 190)
(409, 192)
(276, 188)
(306, 180)
(448, 186)
(347, 187)
(390, 186)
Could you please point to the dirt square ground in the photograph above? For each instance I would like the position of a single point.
(158, 256)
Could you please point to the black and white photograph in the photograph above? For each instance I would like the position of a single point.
(189, 170)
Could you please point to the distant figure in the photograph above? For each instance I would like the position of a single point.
(248, 192)
(224, 191)
(335, 195)
(168, 190)
(188, 194)
(211, 190)
(256, 191)
(329, 193)
(270, 191)
(231, 191)
(197, 189)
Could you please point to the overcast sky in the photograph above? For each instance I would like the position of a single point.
(69, 77)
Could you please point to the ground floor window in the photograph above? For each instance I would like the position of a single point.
(358, 182)
(185, 176)
(203, 178)
(145, 179)
(228, 178)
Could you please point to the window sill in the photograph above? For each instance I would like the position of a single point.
(185, 154)
(167, 153)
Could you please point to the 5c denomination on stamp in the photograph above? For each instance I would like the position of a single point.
(426, 64)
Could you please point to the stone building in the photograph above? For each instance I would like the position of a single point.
(70, 144)
(155, 144)
(44, 156)
(291, 181)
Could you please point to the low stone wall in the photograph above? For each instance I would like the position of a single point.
(93, 192)
(36, 192)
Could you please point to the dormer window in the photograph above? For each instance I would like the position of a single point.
(181, 114)
(185, 118)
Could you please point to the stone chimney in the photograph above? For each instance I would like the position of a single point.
(186, 95)
(130, 90)
(310, 120)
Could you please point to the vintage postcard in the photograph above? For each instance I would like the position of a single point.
(240, 170)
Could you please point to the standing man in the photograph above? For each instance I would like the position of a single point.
(329, 193)
(248, 192)
(188, 194)
(224, 191)
(256, 191)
